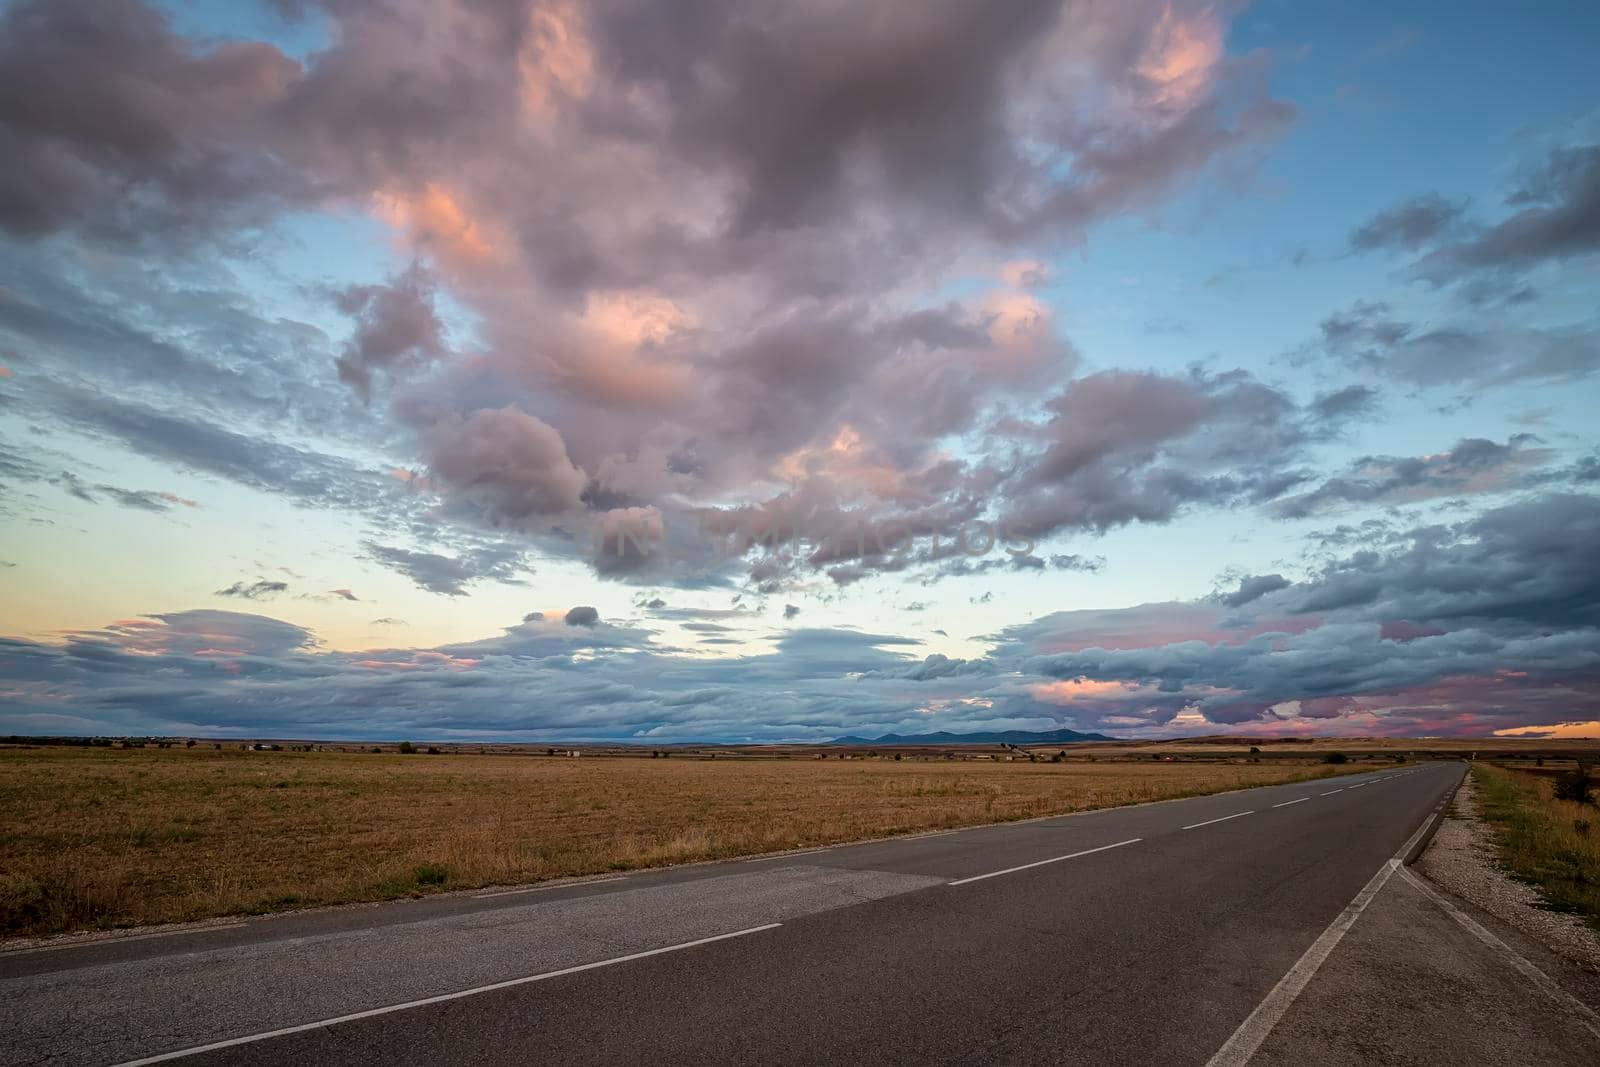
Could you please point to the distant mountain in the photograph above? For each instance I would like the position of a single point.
(994, 737)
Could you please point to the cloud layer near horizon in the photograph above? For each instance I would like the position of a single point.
(1465, 629)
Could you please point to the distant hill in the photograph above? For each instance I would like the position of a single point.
(995, 737)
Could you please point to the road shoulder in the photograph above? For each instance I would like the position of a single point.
(1452, 961)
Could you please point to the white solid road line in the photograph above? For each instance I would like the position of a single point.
(1225, 818)
(547, 888)
(1254, 1030)
(1041, 863)
(353, 1016)
(1525, 966)
(1286, 803)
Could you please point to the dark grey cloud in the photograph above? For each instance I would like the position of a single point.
(1409, 225)
(31, 464)
(260, 462)
(1553, 216)
(1556, 216)
(1524, 562)
(1349, 403)
(1369, 336)
(1510, 591)
(396, 327)
(15, 466)
(1472, 465)
(260, 589)
(165, 140)
(451, 575)
(790, 611)
(582, 616)
(138, 499)
(1123, 447)
(939, 102)
(1254, 587)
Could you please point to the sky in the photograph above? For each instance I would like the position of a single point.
(530, 370)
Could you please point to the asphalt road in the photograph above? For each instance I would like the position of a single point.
(1134, 935)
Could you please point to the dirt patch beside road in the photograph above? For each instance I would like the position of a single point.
(1463, 859)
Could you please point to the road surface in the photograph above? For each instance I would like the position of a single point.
(1270, 924)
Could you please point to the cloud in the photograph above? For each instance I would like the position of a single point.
(138, 499)
(191, 442)
(784, 274)
(1472, 465)
(1369, 336)
(1122, 447)
(450, 575)
(258, 590)
(1557, 217)
(31, 466)
(1487, 624)
(694, 263)
(1553, 217)
(1349, 403)
(396, 328)
(1408, 225)
(167, 141)
(1504, 600)
(344, 594)
(1254, 587)
(511, 464)
(1024, 273)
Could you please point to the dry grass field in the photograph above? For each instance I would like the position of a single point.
(95, 838)
(1552, 843)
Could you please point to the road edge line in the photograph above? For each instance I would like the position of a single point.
(1528, 969)
(1252, 1033)
(1416, 850)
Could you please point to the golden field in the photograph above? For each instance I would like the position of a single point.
(95, 838)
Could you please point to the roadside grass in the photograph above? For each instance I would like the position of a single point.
(99, 838)
(1550, 843)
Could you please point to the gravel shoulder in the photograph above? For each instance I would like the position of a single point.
(1461, 860)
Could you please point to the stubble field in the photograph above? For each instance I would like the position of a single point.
(95, 838)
